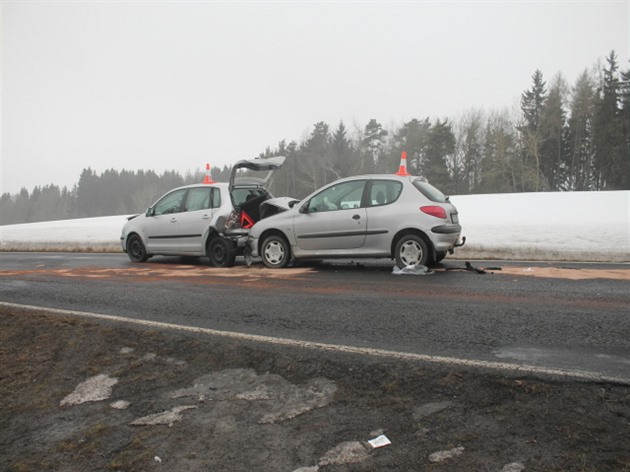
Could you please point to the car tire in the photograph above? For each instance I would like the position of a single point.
(275, 252)
(221, 252)
(136, 250)
(412, 250)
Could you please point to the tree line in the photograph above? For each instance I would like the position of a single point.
(561, 138)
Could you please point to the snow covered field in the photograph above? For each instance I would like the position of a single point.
(571, 226)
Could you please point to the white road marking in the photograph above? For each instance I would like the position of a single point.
(366, 351)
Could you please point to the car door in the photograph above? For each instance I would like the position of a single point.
(162, 226)
(383, 216)
(197, 215)
(333, 219)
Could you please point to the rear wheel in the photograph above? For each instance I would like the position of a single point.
(275, 252)
(221, 252)
(411, 250)
(136, 250)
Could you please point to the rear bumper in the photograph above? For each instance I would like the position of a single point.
(446, 229)
(239, 236)
(446, 238)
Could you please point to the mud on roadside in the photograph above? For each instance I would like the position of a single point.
(216, 404)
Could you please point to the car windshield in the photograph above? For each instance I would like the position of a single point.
(430, 191)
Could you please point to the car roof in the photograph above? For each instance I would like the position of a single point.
(248, 182)
(201, 185)
(384, 177)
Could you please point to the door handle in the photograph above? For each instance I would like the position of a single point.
(356, 217)
(173, 220)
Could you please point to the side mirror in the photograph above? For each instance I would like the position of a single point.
(292, 203)
(304, 208)
(149, 212)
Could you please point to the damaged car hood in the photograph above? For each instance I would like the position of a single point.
(283, 203)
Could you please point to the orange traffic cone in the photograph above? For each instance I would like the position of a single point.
(402, 170)
(208, 178)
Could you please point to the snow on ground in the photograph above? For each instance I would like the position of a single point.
(568, 226)
(580, 226)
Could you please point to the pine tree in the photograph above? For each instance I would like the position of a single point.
(440, 150)
(501, 163)
(373, 146)
(342, 154)
(532, 102)
(554, 129)
(466, 165)
(581, 155)
(314, 158)
(611, 154)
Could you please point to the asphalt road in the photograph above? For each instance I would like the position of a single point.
(501, 316)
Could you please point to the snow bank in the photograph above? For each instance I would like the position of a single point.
(579, 226)
(569, 226)
(78, 235)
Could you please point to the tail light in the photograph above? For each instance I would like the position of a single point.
(436, 211)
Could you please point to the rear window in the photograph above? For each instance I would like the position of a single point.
(430, 191)
(242, 195)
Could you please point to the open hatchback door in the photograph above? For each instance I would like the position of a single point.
(249, 186)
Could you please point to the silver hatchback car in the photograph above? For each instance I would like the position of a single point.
(371, 216)
(208, 219)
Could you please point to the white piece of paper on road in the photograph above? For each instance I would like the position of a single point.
(379, 441)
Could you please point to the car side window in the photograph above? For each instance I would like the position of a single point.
(198, 198)
(171, 203)
(384, 192)
(341, 196)
(216, 198)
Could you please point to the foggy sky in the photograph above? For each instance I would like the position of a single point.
(165, 85)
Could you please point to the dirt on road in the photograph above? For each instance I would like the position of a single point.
(80, 395)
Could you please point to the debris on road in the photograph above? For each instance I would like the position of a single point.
(120, 405)
(348, 452)
(94, 389)
(380, 441)
(441, 456)
(429, 409)
(168, 417)
(279, 399)
(513, 467)
(413, 269)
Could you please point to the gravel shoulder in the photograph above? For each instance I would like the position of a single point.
(78, 395)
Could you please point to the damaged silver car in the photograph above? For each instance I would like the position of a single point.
(207, 219)
(395, 216)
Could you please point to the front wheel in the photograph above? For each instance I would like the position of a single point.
(221, 252)
(275, 252)
(412, 250)
(136, 250)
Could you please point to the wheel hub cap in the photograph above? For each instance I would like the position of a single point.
(410, 253)
(274, 252)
